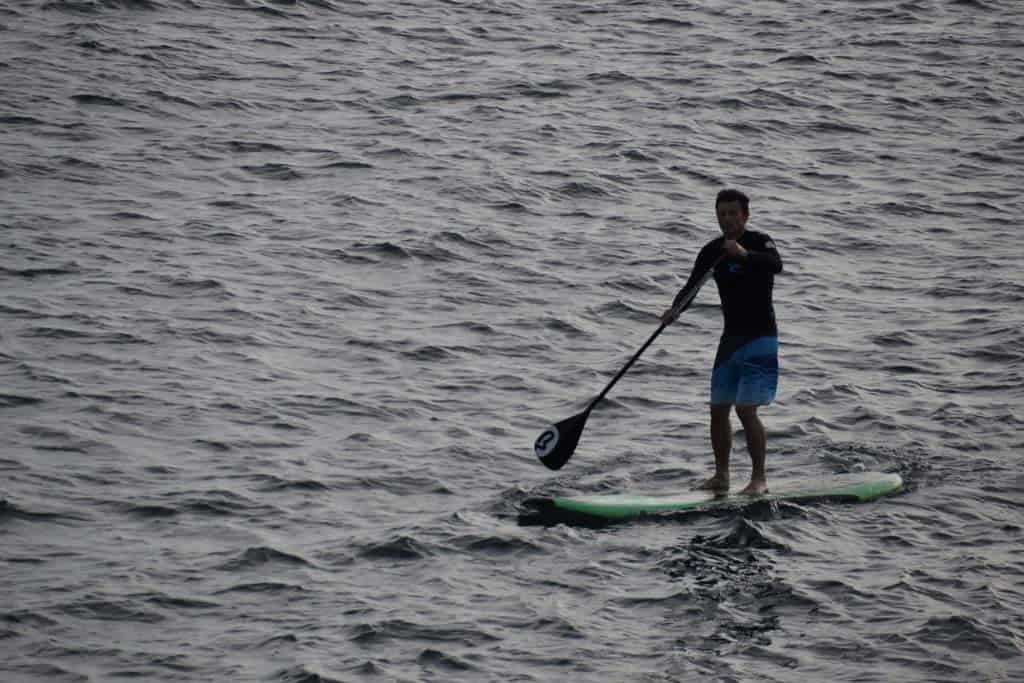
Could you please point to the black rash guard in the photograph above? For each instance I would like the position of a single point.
(744, 287)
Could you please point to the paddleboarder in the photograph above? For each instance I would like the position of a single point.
(746, 369)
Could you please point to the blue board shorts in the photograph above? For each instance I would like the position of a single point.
(749, 375)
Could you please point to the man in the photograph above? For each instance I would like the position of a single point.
(746, 368)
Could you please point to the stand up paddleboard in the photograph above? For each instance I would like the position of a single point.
(851, 488)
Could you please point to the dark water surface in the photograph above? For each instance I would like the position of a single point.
(289, 288)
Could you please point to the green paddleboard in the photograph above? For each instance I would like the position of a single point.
(854, 488)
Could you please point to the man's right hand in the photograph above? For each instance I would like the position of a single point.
(734, 249)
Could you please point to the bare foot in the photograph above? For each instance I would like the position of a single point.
(756, 487)
(715, 484)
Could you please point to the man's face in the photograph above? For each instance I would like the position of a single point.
(731, 219)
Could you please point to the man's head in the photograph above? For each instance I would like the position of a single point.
(733, 210)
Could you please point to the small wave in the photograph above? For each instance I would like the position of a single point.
(436, 253)
(16, 120)
(261, 587)
(430, 353)
(29, 619)
(802, 59)
(95, 6)
(563, 327)
(346, 165)
(246, 146)
(403, 101)
(382, 249)
(304, 674)
(16, 401)
(261, 556)
(610, 77)
(45, 671)
(369, 668)
(220, 503)
(230, 104)
(130, 216)
(149, 511)
(75, 162)
(51, 271)
(104, 609)
(274, 484)
(197, 286)
(99, 47)
(514, 207)
(705, 571)
(401, 549)
(349, 200)
(436, 659)
(540, 93)
(457, 97)
(745, 534)
(496, 545)
(638, 155)
(468, 635)
(621, 309)
(894, 339)
(174, 99)
(468, 326)
(119, 338)
(839, 127)
(331, 405)
(1009, 353)
(969, 635)
(633, 283)
(176, 603)
(699, 175)
(395, 153)
(274, 171)
(10, 511)
(397, 484)
(669, 22)
(98, 100)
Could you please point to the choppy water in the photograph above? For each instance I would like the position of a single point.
(289, 288)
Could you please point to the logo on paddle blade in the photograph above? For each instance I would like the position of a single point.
(546, 443)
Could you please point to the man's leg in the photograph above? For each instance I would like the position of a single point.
(721, 444)
(757, 444)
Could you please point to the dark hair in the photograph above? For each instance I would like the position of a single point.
(733, 196)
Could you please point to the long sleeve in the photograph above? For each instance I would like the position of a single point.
(704, 263)
(765, 257)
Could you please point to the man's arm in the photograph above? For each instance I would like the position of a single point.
(706, 261)
(762, 255)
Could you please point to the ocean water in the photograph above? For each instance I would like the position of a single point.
(289, 289)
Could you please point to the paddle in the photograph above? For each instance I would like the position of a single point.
(556, 444)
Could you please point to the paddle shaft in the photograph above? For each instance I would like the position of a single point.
(684, 303)
(627, 366)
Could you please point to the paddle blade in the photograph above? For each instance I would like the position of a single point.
(555, 445)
